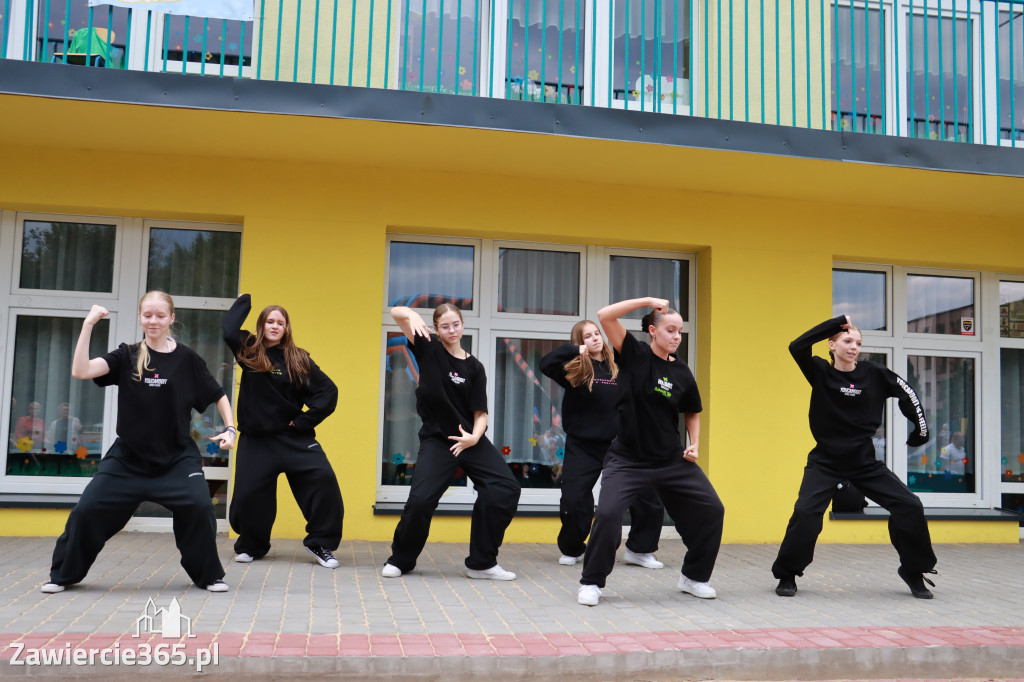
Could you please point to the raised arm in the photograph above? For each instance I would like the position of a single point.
(411, 323)
(231, 323)
(800, 348)
(610, 314)
(81, 366)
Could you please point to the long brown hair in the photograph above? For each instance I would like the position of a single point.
(142, 362)
(849, 328)
(253, 354)
(580, 370)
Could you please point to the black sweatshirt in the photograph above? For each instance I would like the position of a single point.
(268, 401)
(154, 414)
(451, 390)
(654, 393)
(586, 414)
(846, 407)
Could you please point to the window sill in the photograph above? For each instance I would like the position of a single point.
(933, 514)
(34, 501)
(395, 509)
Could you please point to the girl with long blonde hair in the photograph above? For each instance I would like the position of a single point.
(154, 457)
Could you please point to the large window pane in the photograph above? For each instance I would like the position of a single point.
(51, 256)
(528, 417)
(939, 99)
(546, 51)
(879, 439)
(438, 46)
(194, 262)
(666, 278)
(426, 275)
(401, 423)
(940, 305)
(861, 295)
(538, 282)
(651, 45)
(1011, 310)
(1011, 369)
(56, 421)
(946, 463)
(1010, 70)
(200, 330)
(858, 60)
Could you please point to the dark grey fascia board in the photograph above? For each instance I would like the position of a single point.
(398, 106)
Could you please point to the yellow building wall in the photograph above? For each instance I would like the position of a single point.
(314, 241)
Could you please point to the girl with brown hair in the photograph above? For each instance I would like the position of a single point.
(586, 369)
(451, 401)
(279, 379)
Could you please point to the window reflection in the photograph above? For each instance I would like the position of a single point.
(652, 55)
(528, 418)
(879, 440)
(1010, 70)
(426, 275)
(194, 262)
(56, 421)
(438, 46)
(1011, 369)
(50, 256)
(940, 102)
(1011, 310)
(946, 463)
(940, 305)
(861, 295)
(858, 90)
(546, 45)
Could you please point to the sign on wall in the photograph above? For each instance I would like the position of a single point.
(241, 10)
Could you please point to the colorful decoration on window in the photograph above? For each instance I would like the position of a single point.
(60, 447)
(397, 458)
(964, 461)
(560, 453)
(506, 451)
(24, 444)
(912, 480)
(924, 459)
(81, 452)
(532, 441)
(533, 468)
(1005, 461)
(938, 462)
(1020, 458)
(1009, 473)
(212, 448)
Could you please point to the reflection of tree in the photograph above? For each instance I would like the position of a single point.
(50, 256)
(194, 262)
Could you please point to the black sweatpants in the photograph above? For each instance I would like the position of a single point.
(908, 529)
(689, 499)
(259, 460)
(581, 468)
(113, 495)
(496, 502)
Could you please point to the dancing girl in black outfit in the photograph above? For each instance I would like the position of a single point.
(847, 398)
(278, 380)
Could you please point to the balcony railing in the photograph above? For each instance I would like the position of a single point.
(938, 69)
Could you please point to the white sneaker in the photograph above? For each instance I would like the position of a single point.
(588, 595)
(702, 590)
(495, 572)
(51, 588)
(645, 560)
(217, 586)
(244, 558)
(390, 571)
(567, 560)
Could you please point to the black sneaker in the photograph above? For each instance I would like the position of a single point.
(916, 581)
(323, 555)
(786, 588)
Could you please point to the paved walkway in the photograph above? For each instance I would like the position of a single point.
(285, 615)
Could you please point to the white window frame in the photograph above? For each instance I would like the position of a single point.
(993, 418)
(486, 325)
(129, 283)
(983, 347)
